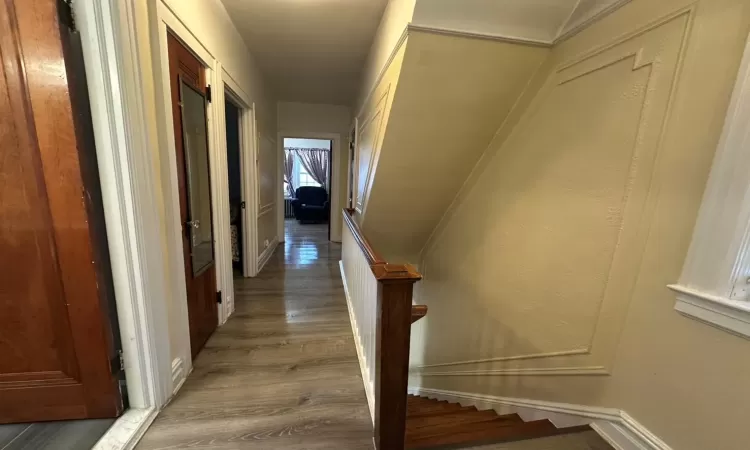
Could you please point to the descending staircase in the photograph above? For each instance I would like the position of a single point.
(432, 424)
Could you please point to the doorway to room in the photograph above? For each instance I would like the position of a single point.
(236, 198)
(307, 187)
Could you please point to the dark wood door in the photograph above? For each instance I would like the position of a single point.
(188, 84)
(56, 344)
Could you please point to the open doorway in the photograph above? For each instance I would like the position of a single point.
(236, 199)
(307, 187)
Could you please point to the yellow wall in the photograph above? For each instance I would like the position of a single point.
(396, 17)
(547, 277)
(267, 186)
(371, 124)
(452, 94)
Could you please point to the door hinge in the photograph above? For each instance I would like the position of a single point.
(218, 297)
(242, 205)
(65, 12)
(117, 363)
(208, 93)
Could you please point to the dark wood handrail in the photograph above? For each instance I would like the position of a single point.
(395, 314)
(373, 257)
(417, 312)
(382, 270)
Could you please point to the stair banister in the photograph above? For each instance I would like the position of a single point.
(380, 303)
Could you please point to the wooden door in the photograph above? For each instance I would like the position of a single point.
(188, 84)
(56, 344)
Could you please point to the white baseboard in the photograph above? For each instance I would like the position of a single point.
(614, 425)
(355, 334)
(178, 373)
(266, 255)
(127, 430)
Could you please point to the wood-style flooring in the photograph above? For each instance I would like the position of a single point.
(282, 373)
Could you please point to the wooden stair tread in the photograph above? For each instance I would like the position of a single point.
(434, 424)
(494, 431)
(438, 411)
(417, 423)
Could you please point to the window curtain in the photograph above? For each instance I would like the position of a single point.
(315, 162)
(289, 172)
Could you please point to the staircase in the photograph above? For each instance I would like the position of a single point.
(433, 424)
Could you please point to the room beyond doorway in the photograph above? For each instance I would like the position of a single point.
(306, 183)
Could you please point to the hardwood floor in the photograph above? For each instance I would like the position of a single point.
(282, 373)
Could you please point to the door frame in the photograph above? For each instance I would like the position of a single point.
(248, 173)
(335, 182)
(135, 151)
(129, 185)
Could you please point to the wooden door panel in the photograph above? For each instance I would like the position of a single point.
(54, 342)
(201, 288)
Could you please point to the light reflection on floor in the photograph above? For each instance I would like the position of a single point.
(306, 244)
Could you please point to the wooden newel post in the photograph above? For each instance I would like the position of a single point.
(393, 330)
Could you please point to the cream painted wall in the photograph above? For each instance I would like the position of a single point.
(371, 125)
(538, 20)
(209, 23)
(396, 17)
(267, 184)
(550, 268)
(446, 108)
(309, 119)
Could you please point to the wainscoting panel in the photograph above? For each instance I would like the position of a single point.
(558, 220)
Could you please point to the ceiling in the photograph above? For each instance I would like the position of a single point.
(310, 51)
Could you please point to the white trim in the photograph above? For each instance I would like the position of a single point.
(715, 282)
(478, 35)
(127, 430)
(178, 373)
(266, 255)
(570, 29)
(383, 70)
(357, 344)
(614, 425)
(337, 150)
(169, 178)
(729, 315)
(123, 144)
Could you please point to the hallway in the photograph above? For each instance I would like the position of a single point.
(283, 371)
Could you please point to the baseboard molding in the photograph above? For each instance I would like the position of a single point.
(178, 375)
(266, 255)
(614, 425)
(362, 366)
(127, 430)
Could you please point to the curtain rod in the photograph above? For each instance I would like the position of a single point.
(307, 148)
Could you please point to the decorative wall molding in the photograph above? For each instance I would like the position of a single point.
(530, 23)
(411, 27)
(557, 371)
(363, 186)
(663, 40)
(715, 282)
(729, 315)
(582, 351)
(266, 255)
(265, 209)
(582, 17)
(617, 427)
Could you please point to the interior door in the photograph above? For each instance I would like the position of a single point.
(56, 343)
(189, 110)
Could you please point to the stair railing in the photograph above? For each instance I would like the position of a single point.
(379, 296)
